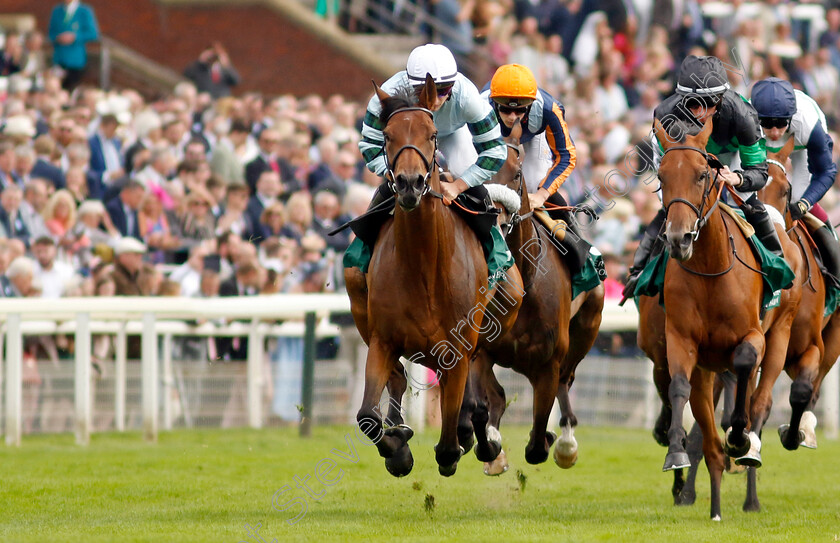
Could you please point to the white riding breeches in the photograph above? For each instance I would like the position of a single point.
(458, 150)
(536, 163)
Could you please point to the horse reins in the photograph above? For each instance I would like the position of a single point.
(701, 218)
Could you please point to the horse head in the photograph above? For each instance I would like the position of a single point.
(777, 191)
(687, 183)
(507, 186)
(410, 143)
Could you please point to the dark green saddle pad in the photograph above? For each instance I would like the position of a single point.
(776, 273)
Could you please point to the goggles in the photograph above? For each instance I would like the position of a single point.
(774, 122)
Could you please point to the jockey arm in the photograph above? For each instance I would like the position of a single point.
(751, 149)
(563, 154)
(820, 164)
(486, 136)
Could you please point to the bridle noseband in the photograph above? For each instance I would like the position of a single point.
(429, 164)
(711, 163)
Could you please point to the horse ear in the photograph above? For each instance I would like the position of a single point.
(429, 93)
(516, 131)
(702, 138)
(786, 150)
(381, 94)
(662, 134)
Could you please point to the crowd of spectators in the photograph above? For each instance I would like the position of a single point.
(193, 194)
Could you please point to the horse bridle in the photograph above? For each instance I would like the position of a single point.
(712, 162)
(429, 164)
(516, 218)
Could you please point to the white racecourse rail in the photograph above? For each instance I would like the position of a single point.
(154, 317)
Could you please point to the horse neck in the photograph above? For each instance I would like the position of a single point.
(525, 231)
(424, 237)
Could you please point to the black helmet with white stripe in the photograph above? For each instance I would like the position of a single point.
(702, 79)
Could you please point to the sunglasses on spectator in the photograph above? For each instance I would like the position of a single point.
(774, 122)
(518, 110)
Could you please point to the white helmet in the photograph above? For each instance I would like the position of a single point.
(434, 59)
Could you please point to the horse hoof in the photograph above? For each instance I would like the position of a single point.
(784, 430)
(497, 466)
(489, 452)
(401, 463)
(685, 498)
(734, 450)
(716, 518)
(807, 429)
(753, 457)
(752, 507)
(566, 451)
(448, 471)
(536, 455)
(676, 460)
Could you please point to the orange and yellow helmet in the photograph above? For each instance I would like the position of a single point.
(513, 85)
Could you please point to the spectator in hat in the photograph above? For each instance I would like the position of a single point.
(54, 275)
(19, 129)
(127, 266)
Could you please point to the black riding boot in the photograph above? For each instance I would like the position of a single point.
(383, 192)
(829, 250)
(758, 217)
(640, 259)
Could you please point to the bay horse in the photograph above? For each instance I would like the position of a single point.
(711, 321)
(814, 339)
(424, 291)
(549, 338)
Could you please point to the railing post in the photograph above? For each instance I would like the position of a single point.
(308, 381)
(83, 374)
(830, 398)
(168, 381)
(14, 379)
(150, 378)
(255, 377)
(121, 355)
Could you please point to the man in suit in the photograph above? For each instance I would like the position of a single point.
(44, 147)
(123, 208)
(212, 72)
(7, 165)
(266, 160)
(72, 25)
(105, 148)
(326, 216)
(10, 217)
(245, 282)
(268, 189)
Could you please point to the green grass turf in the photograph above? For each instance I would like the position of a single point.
(206, 485)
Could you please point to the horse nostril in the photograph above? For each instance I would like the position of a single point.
(687, 239)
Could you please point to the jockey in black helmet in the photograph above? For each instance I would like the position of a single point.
(786, 113)
(703, 91)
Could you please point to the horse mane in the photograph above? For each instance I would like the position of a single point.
(681, 128)
(402, 98)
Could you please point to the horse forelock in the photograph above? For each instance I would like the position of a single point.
(402, 98)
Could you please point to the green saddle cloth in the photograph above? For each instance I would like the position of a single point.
(496, 252)
(590, 275)
(777, 275)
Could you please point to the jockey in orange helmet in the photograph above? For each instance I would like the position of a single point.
(549, 149)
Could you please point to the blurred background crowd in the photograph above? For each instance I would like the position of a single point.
(206, 192)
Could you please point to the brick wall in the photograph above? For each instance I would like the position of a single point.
(271, 54)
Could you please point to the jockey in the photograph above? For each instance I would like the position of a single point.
(548, 146)
(468, 132)
(786, 113)
(703, 91)
(549, 149)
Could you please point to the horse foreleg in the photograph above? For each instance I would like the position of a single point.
(378, 370)
(488, 443)
(545, 389)
(682, 359)
(801, 392)
(566, 448)
(744, 361)
(471, 402)
(356, 286)
(703, 407)
(452, 384)
(685, 493)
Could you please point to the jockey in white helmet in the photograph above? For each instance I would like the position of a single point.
(468, 131)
